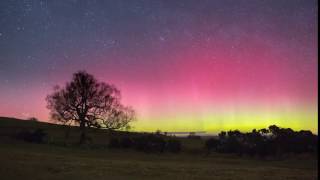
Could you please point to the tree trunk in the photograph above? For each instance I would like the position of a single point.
(83, 132)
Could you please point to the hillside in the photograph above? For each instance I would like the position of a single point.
(99, 137)
(21, 160)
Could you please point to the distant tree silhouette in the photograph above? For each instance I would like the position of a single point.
(33, 119)
(158, 132)
(273, 141)
(88, 103)
(192, 135)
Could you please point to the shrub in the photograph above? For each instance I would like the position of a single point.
(149, 143)
(33, 119)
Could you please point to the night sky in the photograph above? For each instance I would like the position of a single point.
(183, 65)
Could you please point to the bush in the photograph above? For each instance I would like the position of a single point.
(149, 143)
(33, 119)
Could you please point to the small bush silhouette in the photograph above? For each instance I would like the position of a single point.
(33, 119)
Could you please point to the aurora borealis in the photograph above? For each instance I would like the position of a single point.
(183, 65)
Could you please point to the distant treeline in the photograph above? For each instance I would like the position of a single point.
(264, 142)
(273, 141)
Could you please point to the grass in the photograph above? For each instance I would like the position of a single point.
(20, 160)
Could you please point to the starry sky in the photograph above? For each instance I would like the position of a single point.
(183, 65)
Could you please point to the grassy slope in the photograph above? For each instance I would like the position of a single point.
(20, 160)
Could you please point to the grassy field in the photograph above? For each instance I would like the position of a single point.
(20, 160)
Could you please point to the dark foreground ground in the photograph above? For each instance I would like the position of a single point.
(20, 160)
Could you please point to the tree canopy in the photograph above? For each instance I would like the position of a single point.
(88, 103)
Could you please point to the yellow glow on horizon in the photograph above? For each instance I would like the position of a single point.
(214, 122)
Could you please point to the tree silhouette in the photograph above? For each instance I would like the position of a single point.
(274, 141)
(88, 103)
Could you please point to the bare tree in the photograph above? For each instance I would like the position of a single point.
(88, 103)
(118, 118)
